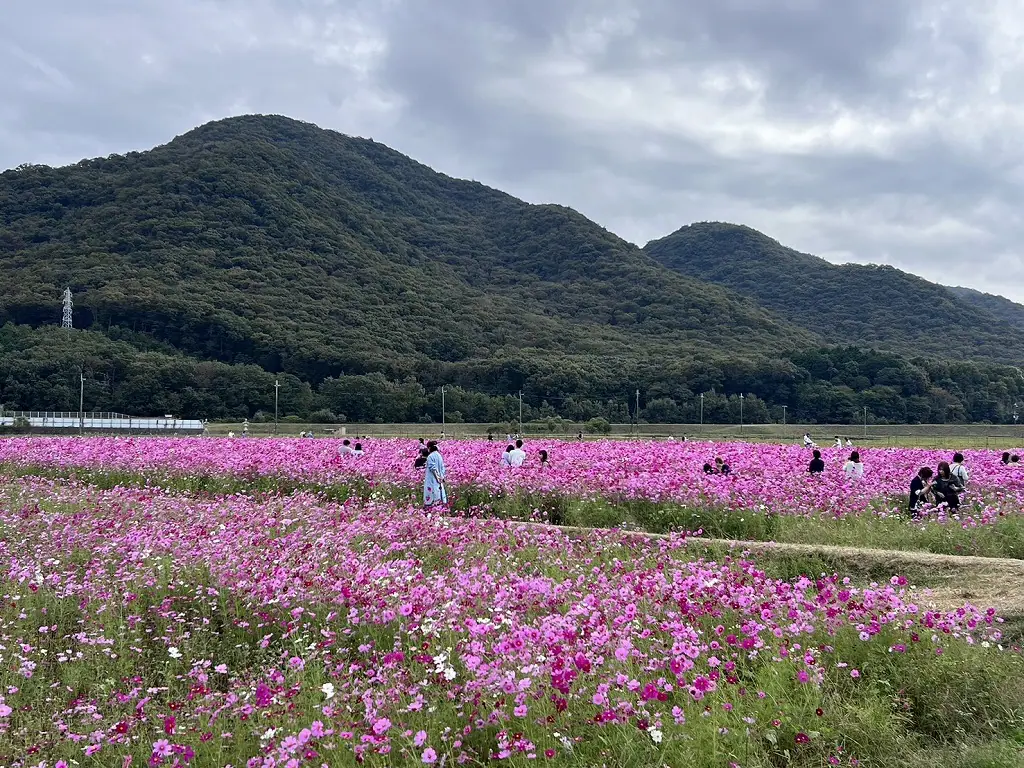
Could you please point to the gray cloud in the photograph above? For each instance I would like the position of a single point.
(881, 132)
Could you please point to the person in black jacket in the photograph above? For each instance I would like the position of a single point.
(817, 466)
(921, 490)
(947, 487)
(421, 460)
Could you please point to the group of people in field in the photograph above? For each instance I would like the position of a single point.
(939, 487)
(944, 485)
(429, 459)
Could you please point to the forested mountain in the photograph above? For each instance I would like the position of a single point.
(258, 248)
(266, 240)
(1008, 311)
(867, 305)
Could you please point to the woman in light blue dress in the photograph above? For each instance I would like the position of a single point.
(434, 491)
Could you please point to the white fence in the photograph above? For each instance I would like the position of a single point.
(99, 422)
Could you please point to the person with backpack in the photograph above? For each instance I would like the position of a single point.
(959, 471)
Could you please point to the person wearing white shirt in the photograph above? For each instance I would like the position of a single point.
(506, 460)
(808, 443)
(853, 467)
(346, 448)
(839, 442)
(958, 470)
(518, 456)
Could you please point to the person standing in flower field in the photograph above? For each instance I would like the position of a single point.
(434, 491)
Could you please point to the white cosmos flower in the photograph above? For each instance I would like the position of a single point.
(173, 652)
(328, 689)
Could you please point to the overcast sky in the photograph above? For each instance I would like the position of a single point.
(886, 131)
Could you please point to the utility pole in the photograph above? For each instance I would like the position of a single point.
(277, 387)
(702, 412)
(783, 415)
(81, 402)
(741, 413)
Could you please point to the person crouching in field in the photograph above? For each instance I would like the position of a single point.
(947, 487)
(921, 490)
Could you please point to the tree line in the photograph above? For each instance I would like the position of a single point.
(40, 369)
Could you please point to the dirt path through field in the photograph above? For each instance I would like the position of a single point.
(951, 580)
(945, 582)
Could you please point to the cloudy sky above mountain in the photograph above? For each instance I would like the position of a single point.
(866, 131)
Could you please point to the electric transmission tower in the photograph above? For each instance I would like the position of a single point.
(68, 304)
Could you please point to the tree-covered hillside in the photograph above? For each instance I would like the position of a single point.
(265, 240)
(872, 306)
(1008, 311)
(258, 248)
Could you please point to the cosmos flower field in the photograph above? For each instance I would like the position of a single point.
(270, 603)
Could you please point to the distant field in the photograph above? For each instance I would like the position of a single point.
(989, 436)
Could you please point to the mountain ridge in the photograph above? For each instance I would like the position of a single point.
(366, 280)
(873, 305)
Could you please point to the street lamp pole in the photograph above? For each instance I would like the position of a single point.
(783, 415)
(81, 402)
(443, 416)
(741, 413)
(277, 387)
(865, 422)
(702, 412)
(520, 413)
(636, 415)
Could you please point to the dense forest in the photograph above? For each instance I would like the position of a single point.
(1006, 310)
(258, 249)
(40, 369)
